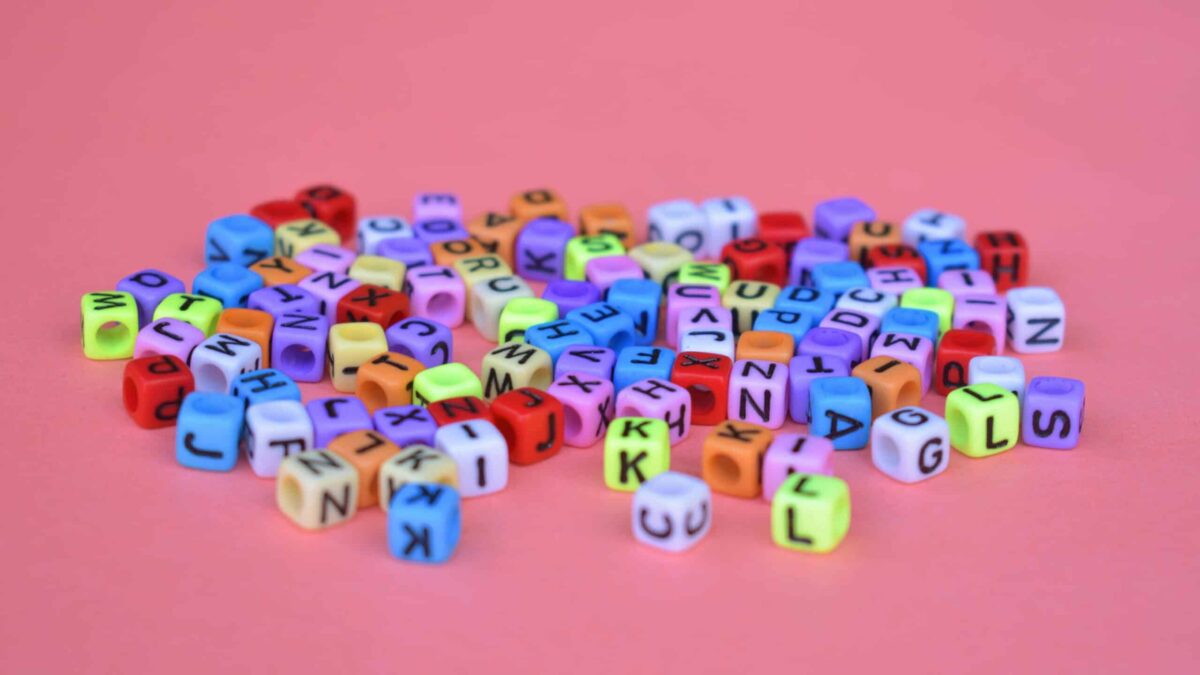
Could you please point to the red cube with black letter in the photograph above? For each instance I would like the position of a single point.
(461, 409)
(706, 378)
(154, 388)
(897, 255)
(1005, 256)
(331, 205)
(756, 260)
(279, 211)
(372, 303)
(532, 422)
(954, 353)
(782, 228)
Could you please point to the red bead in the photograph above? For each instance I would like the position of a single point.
(461, 409)
(279, 211)
(532, 422)
(1006, 256)
(897, 255)
(331, 205)
(706, 378)
(756, 260)
(783, 228)
(954, 353)
(372, 303)
(154, 388)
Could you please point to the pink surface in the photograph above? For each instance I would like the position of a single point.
(126, 128)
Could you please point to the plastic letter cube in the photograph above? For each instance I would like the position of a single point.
(436, 293)
(109, 325)
(833, 342)
(275, 430)
(251, 324)
(765, 345)
(521, 313)
(802, 370)
(489, 298)
(840, 411)
(432, 230)
(316, 489)
(328, 288)
(794, 453)
(584, 248)
(221, 358)
(541, 249)
(1037, 320)
(661, 260)
(810, 252)
(446, 381)
(598, 361)
(954, 353)
(672, 511)
(704, 318)
(893, 383)
(239, 239)
(198, 310)
(386, 380)
(434, 205)
(374, 229)
(910, 444)
(910, 321)
(413, 253)
(679, 222)
(149, 288)
(330, 204)
(636, 449)
(705, 377)
(295, 237)
(429, 342)
(756, 260)
(862, 325)
(783, 228)
(729, 219)
(514, 365)
(606, 271)
(278, 270)
(983, 312)
(758, 393)
(480, 268)
(587, 407)
(639, 363)
(867, 234)
(379, 271)
(496, 233)
(731, 459)
(966, 282)
(608, 326)
(327, 258)
(153, 389)
(284, 298)
(612, 219)
(568, 295)
(1005, 257)
(894, 280)
(934, 300)
(424, 523)
(945, 255)
(374, 304)
(417, 463)
(932, 225)
(892, 256)
(461, 409)
(332, 417)
(705, 274)
(793, 324)
(450, 251)
(746, 299)
(298, 345)
(263, 386)
(835, 218)
(868, 301)
(1005, 371)
(532, 422)
(709, 341)
(810, 512)
(538, 203)
(682, 299)
(351, 345)
(278, 211)
(640, 299)
(556, 337)
(208, 430)
(838, 277)
(984, 419)
(167, 336)
(405, 425)
(1052, 414)
(658, 399)
(805, 300)
(481, 453)
(366, 450)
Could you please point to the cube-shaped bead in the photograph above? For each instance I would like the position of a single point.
(334, 416)
(583, 248)
(954, 353)
(477, 269)
(350, 346)
(672, 511)
(1037, 320)
(894, 280)
(197, 310)
(275, 430)
(374, 304)
(436, 205)
(656, 398)
(639, 363)
(278, 270)
(1005, 371)
(109, 324)
(636, 449)
(429, 342)
(756, 260)
(149, 288)
(966, 282)
(608, 326)
(450, 380)
(251, 324)
(680, 222)
(366, 450)
(1005, 257)
(405, 425)
(316, 489)
(914, 350)
(239, 239)
(208, 431)
(706, 274)
(221, 358)
(330, 204)
(167, 336)
(705, 377)
(497, 232)
(538, 203)
(263, 386)
(839, 277)
(532, 422)
(935, 300)
(481, 453)
(298, 345)
(1052, 413)
(783, 228)
(439, 229)
(521, 313)
(765, 345)
(413, 253)
(372, 230)
(327, 258)
(284, 298)
(513, 365)
(810, 512)
(661, 260)
(587, 407)
(328, 288)
(556, 337)
(450, 251)
(461, 409)
(685, 297)
(612, 219)
(436, 293)
(794, 453)
(868, 234)
(732, 456)
(297, 236)
(606, 271)
(417, 463)
(802, 370)
(861, 324)
(568, 295)
(424, 523)
(868, 301)
(910, 444)
(892, 383)
(153, 389)
(822, 341)
(984, 419)
(641, 300)
(488, 299)
(746, 300)
(911, 321)
(932, 225)
(897, 255)
(834, 218)
(810, 252)
(758, 392)
(703, 318)
(541, 249)
(378, 271)
(729, 219)
(229, 283)
(806, 300)
(598, 361)
(794, 324)
(982, 312)
(840, 410)
(945, 255)
(720, 342)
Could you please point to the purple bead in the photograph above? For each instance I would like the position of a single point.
(440, 229)
(298, 343)
(794, 453)
(810, 252)
(570, 295)
(606, 271)
(894, 279)
(834, 218)
(1052, 414)
(328, 288)
(167, 337)
(332, 417)
(822, 341)
(681, 297)
(862, 324)
(411, 252)
(425, 340)
(967, 282)
(406, 425)
(587, 407)
(541, 248)
(802, 370)
(914, 350)
(661, 400)
(148, 288)
(278, 300)
(436, 206)
(598, 361)
(327, 258)
(758, 393)
(982, 312)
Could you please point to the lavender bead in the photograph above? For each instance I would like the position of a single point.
(834, 218)
(167, 337)
(982, 312)
(967, 282)
(1052, 415)
(598, 361)
(802, 370)
(810, 252)
(148, 288)
(406, 425)
(332, 417)
(861, 324)
(436, 206)
(328, 288)
(442, 229)
(284, 298)
(541, 249)
(914, 350)
(824, 341)
(411, 252)
(894, 279)
(570, 295)
(758, 393)
(606, 271)
(425, 340)
(298, 343)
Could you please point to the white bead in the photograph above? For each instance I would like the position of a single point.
(489, 298)
(672, 511)
(728, 218)
(704, 318)
(910, 444)
(221, 358)
(481, 453)
(932, 225)
(868, 301)
(1037, 320)
(708, 341)
(274, 430)
(317, 489)
(680, 222)
(374, 229)
(1004, 371)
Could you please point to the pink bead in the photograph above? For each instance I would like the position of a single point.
(438, 293)
(794, 453)
(328, 288)
(658, 399)
(703, 318)
(893, 279)
(587, 406)
(684, 296)
(862, 324)
(967, 282)
(327, 258)
(911, 349)
(983, 312)
(603, 272)
(167, 337)
(758, 393)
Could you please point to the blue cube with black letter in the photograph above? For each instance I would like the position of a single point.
(841, 411)
(609, 327)
(639, 298)
(208, 430)
(911, 321)
(424, 521)
(836, 278)
(795, 324)
(239, 239)
(554, 337)
(946, 254)
(231, 284)
(640, 363)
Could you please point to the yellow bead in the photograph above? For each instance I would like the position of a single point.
(810, 512)
(350, 346)
(481, 267)
(378, 271)
(746, 299)
(297, 236)
(416, 463)
(660, 260)
(515, 365)
(109, 325)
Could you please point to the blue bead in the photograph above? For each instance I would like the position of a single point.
(209, 429)
(795, 324)
(424, 522)
(229, 283)
(841, 411)
(260, 386)
(639, 363)
(608, 326)
(239, 239)
(910, 321)
(838, 277)
(947, 254)
(810, 301)
(554, 337)
(639, 298)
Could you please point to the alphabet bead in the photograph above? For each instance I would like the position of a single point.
(438, 229)
(792, 324)
(709, 341)
(636, 449)
(1004, 371)
(297, 236)
(239, 239)
(153, 390)
(639, 363)
(892, 383)
(429, 342)
(914, 350)
(966, 282)
(822, 341)
(806, 300)
(332, 417)
(488, 299)
(656, 398)
(556, 337)
(608, 326)
(436, 206)
(606, 271)
(532, 422)
(316, 489)
(366, 450)
(208, 430)
(783, 228)
(982, 312)
(374, 304)
(810, 252)
(109, 324)
(513, 365)
(521, 313)
(328, 288)
(167, 336)
(424, 523)
(682, 298)
(868, 234)
(538, 203)
(386, 380)
(327, 258)
(541, 247)
(587, 407)
(810, 513)
(149, 288)
(935, 300)
(229, 283)
(598, 361)
(704, 318)
(417, 463)
(350, 346)
(706, 274)
(450, 251)
(221, 358)
(263, 386)
(497, 233)
(612, 219)
(731, 459)
(298, 345)
(641, 300)
(765, 345)
(413, 253)
(1036, 320)
(373, 230)
(911, 321)
(756, 260)
(984, 419)
(661, 260)
(862, 325)
(672, 511)
(758, 393)
(278, 211)
(945, 255)
(794, 453)
(405, 425)
(1005, 257)
(838, 277)
(330, 204)
(895, 280)
(729, 218)
(480, 268)
(932, 225)
(910, 444)
(568, 295)
(746, 300)
(868, 301)
(1052, 414)
(840, 411)
(706, 379)
(834, 218)
(275, 430)
(584, 248)
(378, 271)
(437, 293)
(679, 222)
(802, 370)
(251, 324)
(954, 353)
(897, 255)
(450, 380)
(283, 298)
(481, 453)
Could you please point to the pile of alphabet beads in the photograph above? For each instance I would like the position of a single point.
(726, 319)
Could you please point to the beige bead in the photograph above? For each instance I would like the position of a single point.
(488, 299)
(480, 267)
(378, 271)
(660, 259)
(350, 346)
(416, 463)
(297, 236)
(316, 489)
(745, 299)
(513, 365)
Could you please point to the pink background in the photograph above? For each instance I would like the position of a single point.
(127, 126)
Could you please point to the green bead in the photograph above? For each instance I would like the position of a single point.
(583, 248)
(636, 449)
(711, 274)
(109, 325)
(984, 419)
(199, 310)
(449, 380)
(936, 300)
(521, 313)
(810, 512)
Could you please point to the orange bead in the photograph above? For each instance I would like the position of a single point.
(731, 461)
(366, 451)
(446, 253)
(766, 345)
(611, 219)
(279, 270)
(893, 383)
(251, 324)
(497, 233)
(868, 234)
(538, 203)
(386, 380)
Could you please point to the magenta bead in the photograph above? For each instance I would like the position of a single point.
(587, 406)
(987, 312)
(758, 392)
(438, 293)
(894, 279)
(912, 349)
(661, 400)
(794, 453)
(167, 337)
(606, 271)
(686, 296)
(328, 288)
(967, 282)
(861, 324)
(327, 258)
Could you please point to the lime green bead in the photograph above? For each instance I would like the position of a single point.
(109, 325)
(521, 313)
(984, 419)
(583, 248)
(936, 300)
(199, 310)
(449, 380)
(810, 512)
(710, 274)
(636, 449)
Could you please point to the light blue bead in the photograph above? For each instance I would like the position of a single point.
(639, 363)
(836, 278)
(230, 283)
(261, 386)
(554, 337)
(910, 321)
(424, 522)
(947, 254)
(239, 239)
(795, 324)
(639, 298)
(609, 326)
(208, 431)
(841, 411)
(806, 300)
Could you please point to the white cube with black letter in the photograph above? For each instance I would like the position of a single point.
(672, 511)
(910, 444)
